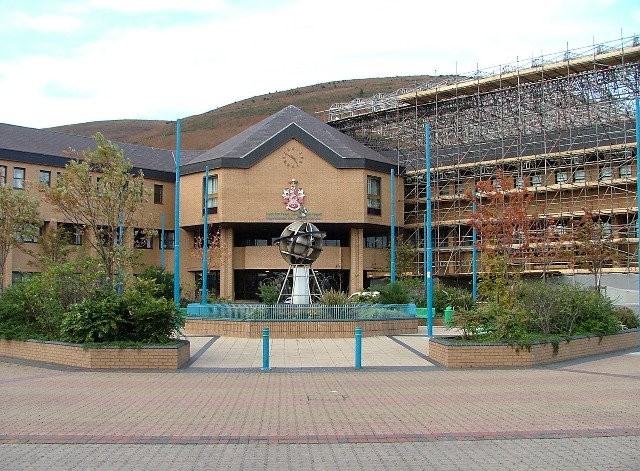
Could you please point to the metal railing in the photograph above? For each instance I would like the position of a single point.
(300, 312)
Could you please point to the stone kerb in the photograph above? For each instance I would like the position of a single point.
(452, 354)
(154, 357)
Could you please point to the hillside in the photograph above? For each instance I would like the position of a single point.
(207, 130)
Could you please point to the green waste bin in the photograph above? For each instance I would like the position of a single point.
(448, 316)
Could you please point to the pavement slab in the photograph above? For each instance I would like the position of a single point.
(313, 410)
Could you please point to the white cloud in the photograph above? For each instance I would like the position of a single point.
(144, 6)
(45, 23)
(184, 69)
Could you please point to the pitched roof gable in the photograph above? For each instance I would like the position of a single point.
(261, 139)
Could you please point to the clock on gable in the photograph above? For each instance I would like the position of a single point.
(292, 156)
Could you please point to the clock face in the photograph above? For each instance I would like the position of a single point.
(292, 157)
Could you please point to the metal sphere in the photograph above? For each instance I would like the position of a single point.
(300, 243)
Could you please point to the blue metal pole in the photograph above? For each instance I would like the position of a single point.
(265, 349)
(393, 227)
(205, 232)
(176, 225)
(638, 190)
(429, 287)
(162, 244)
(358, 348)
(424, 252)
(474, 252)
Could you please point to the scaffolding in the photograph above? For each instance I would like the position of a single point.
(561, 126)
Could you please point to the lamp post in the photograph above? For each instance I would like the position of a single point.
(429, 249)
(176, 227)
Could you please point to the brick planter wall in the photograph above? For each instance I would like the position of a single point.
(456, 355)
(300, 329)
(155, 357)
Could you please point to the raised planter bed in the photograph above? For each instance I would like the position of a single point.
(153, 357)
(300, 329)
(453, 354)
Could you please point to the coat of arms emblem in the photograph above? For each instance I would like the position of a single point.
(293, 197)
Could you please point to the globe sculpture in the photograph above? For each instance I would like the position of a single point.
(300, 244)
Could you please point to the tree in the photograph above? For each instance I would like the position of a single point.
(548, 244)
(593, 246)
(19, 221)
(54, 249)
(405, 257)
(504, 226)
(99, 193)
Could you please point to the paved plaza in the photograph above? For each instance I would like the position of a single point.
(314, 411)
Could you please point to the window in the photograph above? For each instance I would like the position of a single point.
(536, 179)
(459, 188)
(466, 236)
(440, 236)
(562, 177)
(606, 173)
(33, 231)
(374, 193)
(579, 176)
(18, 178)
(625, 171)
(73, 233)
(211, 197)
(169, 240)
(45, 177)
(376, 242)
(519, 182)
(157, 194)
(3, 174)
(18, 276)
(141, 240)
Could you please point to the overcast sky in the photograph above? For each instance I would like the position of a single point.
(74, 61)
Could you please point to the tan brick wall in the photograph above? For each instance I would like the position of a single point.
(483, 356)
(249, 195)
(160, 358)
(20, 261)
(299, 329)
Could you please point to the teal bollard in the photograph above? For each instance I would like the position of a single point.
(358, 348)
(265, 349)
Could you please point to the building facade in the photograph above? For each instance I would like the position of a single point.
(332, 181)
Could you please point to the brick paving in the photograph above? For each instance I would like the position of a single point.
(400, 412)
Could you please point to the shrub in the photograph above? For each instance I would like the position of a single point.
(37, 306)
(268, 292)
(162, 278)
(440, 299)
(596, 314)
(416, 289)
(333, 297)
(544, 303)
(472, 322)
(458, 298)
(627, 317)
(95, 320)
(140, 314)
(394, 293)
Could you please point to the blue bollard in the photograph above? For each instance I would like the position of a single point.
(358, 348)
(265, 349)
